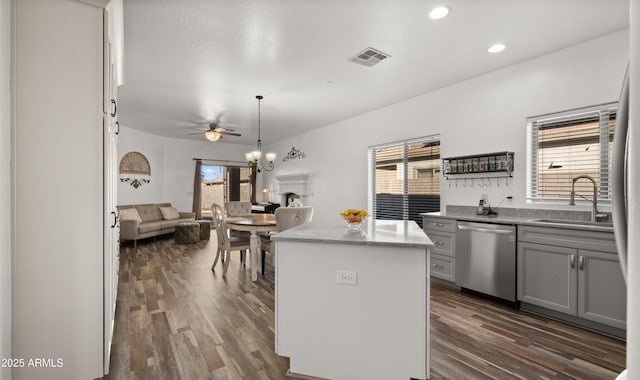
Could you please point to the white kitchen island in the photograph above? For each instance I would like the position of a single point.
(377, 328)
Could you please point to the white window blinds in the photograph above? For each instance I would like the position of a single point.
(565, 145)
(404, 179)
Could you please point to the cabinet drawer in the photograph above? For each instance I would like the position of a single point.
(443, 267)
(443, 242)
(439, 224)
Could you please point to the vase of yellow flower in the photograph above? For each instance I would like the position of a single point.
(354, 218)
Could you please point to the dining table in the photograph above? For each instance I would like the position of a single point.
(253, 223)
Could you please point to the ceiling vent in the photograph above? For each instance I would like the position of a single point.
(369, 57)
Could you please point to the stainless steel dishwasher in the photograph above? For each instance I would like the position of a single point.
(486, 258)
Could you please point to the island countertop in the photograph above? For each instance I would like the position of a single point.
(375, 232)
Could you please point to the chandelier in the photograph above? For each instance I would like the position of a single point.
(254, 158)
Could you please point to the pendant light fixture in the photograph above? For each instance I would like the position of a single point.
(254, 158)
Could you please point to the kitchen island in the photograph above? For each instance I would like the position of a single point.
(354, 305)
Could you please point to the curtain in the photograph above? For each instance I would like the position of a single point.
(197, 190)
(253, 175)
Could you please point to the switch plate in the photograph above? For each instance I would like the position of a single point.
(346, 277)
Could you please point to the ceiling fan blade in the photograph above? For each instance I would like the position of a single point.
(197, 133)
(228, 133)
(223, 129)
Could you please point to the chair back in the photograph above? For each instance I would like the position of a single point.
(237, 208)
(220, 225)
(288, 217)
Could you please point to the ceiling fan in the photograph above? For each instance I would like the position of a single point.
(215, 131)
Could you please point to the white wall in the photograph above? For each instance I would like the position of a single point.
(5, 187)
(172, 166)
(480, 115)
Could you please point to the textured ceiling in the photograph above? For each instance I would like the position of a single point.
(192, 60)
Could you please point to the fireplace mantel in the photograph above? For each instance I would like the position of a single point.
(293, 183)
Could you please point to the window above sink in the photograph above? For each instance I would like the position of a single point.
(564, 145)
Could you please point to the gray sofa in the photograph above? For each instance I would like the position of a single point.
(148, 220)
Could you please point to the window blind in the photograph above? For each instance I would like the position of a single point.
(404, 179)
(566, 145)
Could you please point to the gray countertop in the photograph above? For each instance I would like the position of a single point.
(523, 217)
(393, 233)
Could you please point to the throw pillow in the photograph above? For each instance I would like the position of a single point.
(130, 214)
(169, 213)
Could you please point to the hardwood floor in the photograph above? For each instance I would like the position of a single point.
(176, 319)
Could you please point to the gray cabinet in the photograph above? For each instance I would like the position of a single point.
(547, 277)
(565, 277)
(602, 293)
(443, 258)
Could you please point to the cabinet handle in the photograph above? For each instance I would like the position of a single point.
(118, 125)
(115, 219)
(115, 108)
(581, 263)
(438, 266)
(572, 258)
(438, 224)
(439, 242)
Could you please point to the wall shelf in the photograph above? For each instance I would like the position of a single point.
(488, 165)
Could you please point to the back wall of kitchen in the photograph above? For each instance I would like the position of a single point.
(479, 115)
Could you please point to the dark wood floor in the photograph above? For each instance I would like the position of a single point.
(176, 319)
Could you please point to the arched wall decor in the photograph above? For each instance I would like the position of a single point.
(135, 163)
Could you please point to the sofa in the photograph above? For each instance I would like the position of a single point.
(148, 220)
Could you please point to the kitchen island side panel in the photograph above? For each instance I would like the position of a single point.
(376, 329)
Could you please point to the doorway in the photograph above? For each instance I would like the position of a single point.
(223, 183)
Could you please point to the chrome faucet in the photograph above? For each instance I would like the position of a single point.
(595, 214)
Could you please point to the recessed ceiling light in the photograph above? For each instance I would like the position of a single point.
(439, 12)
(496, 48)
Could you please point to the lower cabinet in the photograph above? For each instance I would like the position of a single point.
(579, 282)
(441, 231)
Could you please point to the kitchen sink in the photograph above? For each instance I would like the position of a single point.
(573, 222)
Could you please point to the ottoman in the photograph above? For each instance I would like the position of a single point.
(205, 229)
(187, 232)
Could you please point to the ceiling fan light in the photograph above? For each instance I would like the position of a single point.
(271, 157)
(248, 156)
(256, 154)
(212, 135)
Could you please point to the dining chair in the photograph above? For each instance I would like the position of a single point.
(286, 217)
(238, 208)
(226, 243)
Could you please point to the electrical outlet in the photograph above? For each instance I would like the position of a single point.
(346, 277)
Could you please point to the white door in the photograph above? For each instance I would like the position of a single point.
(111, 225)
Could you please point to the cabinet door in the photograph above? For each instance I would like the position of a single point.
(601, 289)
(547, 276)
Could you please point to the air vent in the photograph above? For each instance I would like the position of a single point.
(369, 57)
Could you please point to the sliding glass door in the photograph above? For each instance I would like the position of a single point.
(223, 183)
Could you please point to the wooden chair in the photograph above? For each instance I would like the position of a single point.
(238, 208)
(226, 243)
(286, 217)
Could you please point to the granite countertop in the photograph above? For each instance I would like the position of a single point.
(394, 233)
(529, 217)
